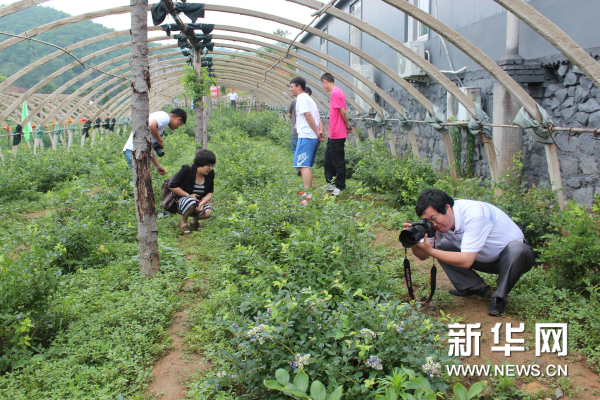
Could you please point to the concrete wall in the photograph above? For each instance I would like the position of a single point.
(569, 97)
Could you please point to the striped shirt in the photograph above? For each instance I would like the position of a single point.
(199, 189)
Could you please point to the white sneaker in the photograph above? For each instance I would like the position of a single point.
(336, 192)
(329, 187)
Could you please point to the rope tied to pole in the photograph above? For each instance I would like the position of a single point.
(406, 124)
(437, 121)
(476, 125)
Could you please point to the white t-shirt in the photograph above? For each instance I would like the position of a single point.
(162, 120)
(481, 228)
(304, 103)
(232, 96)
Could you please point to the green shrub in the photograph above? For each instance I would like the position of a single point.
(573, 250)
(401, 178)
(347, 342)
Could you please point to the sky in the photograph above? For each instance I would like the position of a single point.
(120, 22)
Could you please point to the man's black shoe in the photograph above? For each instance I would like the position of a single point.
(497, 306)
(483, 292)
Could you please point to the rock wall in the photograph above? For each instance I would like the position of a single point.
(570, 99)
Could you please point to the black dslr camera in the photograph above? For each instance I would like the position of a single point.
(415, 232)
(159, 150)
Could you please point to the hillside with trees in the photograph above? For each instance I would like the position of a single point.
(22, 54)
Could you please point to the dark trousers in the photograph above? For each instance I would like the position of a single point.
(516, 259)
(335, 163)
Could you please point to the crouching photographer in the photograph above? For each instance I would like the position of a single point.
(469, 236)
(157, 122)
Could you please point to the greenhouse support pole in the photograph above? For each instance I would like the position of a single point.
(142, 152)
(199, 104)
(205, 124)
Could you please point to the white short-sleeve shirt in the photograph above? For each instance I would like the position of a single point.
(232, 96)
(481, 228)
(162, 120)
(304, 103)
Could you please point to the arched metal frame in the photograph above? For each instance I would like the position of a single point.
(518, 7)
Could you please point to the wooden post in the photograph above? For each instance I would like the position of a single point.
(554, 170)
(450, 155)
(371, 134)
(70, 138)
(93, 138)
(142, 177)
(393, 145)
(490, 153)
(199, 104)
(210, 107)
(413, 144)
(205, 125)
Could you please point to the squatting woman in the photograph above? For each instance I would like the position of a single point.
(195, 184)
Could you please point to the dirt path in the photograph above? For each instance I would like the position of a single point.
(581, 381)
(174, 369)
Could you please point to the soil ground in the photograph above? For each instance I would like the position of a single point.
(173, 369)
(583, 382)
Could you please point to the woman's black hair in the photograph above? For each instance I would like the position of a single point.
(205, 157)
(435, 198)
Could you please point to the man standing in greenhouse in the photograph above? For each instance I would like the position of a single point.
(233, 97)
(309, 128)
(339, 127)
(157, 121)
(473, 236)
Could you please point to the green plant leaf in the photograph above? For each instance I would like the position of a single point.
(297, 393)
(301, 381)
(460, 392)
(337, 393)
(476, 389)
(317, 391)
(390, 393)
(282, 377)
(273, 385)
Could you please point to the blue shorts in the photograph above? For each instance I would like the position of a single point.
(306, 151)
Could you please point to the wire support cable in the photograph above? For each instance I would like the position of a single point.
(84, 65)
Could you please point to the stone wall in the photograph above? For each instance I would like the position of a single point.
(570, 99)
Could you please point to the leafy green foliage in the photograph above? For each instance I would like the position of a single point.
(77, 319)
(474, 392)
(573, 248)
(297, 285)
(400, 178)
(300, 386)
(196, 86)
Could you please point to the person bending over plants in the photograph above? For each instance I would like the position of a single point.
(195, 184)
(473, 236)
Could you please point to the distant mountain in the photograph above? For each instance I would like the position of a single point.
(18, 56)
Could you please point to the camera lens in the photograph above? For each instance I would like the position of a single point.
(410, 236)
(159, 150)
